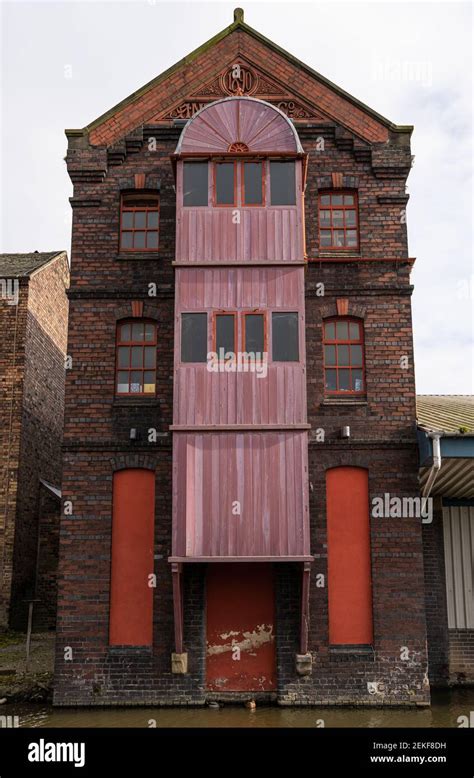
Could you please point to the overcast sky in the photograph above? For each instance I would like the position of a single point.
(64, 64)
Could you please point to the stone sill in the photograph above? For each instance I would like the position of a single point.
(126, 402)
(134, 255)
(342, 401)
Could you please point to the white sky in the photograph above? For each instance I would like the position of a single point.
(65, 63)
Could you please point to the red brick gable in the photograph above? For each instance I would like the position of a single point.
(200, 76)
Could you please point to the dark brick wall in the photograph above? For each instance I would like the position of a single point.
(41, 419)
(49, 514)
(461, 657)
(33, 346)
(435, 597)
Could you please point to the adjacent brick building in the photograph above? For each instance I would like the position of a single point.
(327, 606)
(33, 325)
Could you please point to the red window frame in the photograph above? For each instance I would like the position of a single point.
(350, 367)
(134, 343)
(262, 162)
(256, 312)
(214, 329)
(134, 209)
(345, 228)
(214, 187)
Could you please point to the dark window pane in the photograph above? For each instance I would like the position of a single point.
(282, 183)
(336, 200)
(137, 356)
(127, 219)
(127, 240)
(344, 380)
(149, 332)
(330, 331)
(194, 337)
(225, 183)
(152, 240)
(357, 381)
(285, 337)
(254, 333)
(348, 199)
(330, 355)
(122, 383)
(138, 240)
(325, 200)
(123, 357)
(140, 220)
(341, 330)
(125, 332)
(325, 237)
(137, 330)
(343, 355)
(354, 331)
(338, 238)
(351, 237)
(195, 183)
(150, 356)
(356, 355)
(149, 382)
(152, 220)
(331, 380)
(325, 218)
(337, 219)
(350, 218)
(136, 382)
(253, 190)
(225, 333)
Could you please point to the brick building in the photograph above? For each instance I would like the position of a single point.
(217, 538)
(33, 325)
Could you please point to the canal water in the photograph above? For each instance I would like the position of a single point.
(447, 706)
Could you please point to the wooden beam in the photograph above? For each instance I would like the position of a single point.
(176, 571)
(305, 608)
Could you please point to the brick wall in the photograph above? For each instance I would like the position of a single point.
(12, 339)
(42, 418)
(461, 657)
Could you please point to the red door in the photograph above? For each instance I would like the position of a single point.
(240, 627)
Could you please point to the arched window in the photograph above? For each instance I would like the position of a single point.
(136, 358)
(139, 220)
(349, 562)
(343, 356)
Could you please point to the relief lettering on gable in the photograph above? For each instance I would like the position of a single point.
(237, 80)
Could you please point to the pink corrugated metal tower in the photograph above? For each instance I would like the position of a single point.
(240, 473)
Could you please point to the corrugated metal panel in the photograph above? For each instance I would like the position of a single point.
(261, 126)
(266, 472)
(459, 560)
(455, 479)
(445, 412)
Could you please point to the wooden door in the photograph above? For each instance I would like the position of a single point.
(240, 627)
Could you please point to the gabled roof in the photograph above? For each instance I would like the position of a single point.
(236, 40)
(446, 413)
(24, 265)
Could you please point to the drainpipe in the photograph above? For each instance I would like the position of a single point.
(435, 467)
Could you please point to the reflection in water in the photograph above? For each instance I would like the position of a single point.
(446, 707)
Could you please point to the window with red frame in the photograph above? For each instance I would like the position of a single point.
(139, 222)
(136, 358)
(338, 221)
(344, 357)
